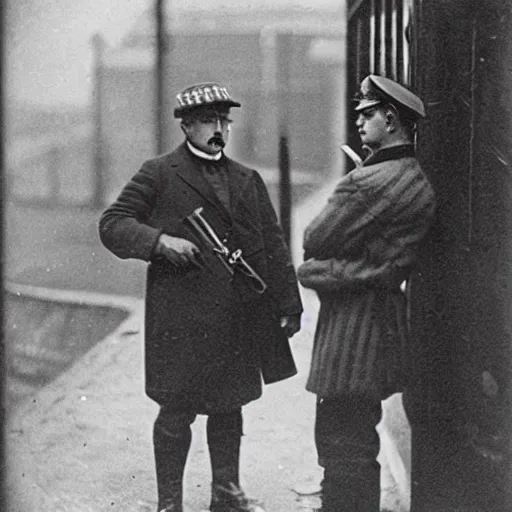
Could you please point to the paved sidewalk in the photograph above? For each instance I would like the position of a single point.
(84, 442)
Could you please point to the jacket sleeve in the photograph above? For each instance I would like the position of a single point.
(333, 275)
(282, 279)
(370, 230)
(123, 226)
(349, 218)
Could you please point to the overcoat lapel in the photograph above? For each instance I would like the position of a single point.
(238, 178)
(190, 174)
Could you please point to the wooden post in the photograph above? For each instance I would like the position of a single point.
(161, 48)
(98, 192)
(284, 49)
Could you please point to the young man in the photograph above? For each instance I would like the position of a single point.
(358, 251)
(211, 331)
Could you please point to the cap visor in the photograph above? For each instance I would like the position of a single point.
(364, 104)
(179, 111)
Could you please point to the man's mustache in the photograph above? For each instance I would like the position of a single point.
(218, 140)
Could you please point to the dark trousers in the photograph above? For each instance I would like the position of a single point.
(348, 445)
(172, 437)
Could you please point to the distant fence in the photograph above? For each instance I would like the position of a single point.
(53, 168)
(59, 169)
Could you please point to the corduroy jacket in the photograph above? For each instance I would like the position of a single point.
(358, 251)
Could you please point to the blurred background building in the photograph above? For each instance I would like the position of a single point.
(276, 62)
(281, 63)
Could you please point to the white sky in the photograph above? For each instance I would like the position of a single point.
(48, 51)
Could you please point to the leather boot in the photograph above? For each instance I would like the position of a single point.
(233, 499)
(171, 438)
(224, 433)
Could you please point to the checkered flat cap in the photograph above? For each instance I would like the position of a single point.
(203, 95)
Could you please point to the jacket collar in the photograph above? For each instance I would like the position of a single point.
(202, 154)
(391, 153)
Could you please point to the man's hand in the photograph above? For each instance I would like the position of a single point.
(290, 324)
(181, 253)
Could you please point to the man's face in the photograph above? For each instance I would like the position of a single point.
(208, 130)
(372, 126)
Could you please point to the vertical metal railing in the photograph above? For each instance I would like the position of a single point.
(407, 21)
(373, 37)
(394, 40)
(382, 37)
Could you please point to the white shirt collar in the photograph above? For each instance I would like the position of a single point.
(202, 154)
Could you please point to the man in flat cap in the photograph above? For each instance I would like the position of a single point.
(358, 252)
(222, 297)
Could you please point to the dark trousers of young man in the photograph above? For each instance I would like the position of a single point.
(347, 445)
(172, 438)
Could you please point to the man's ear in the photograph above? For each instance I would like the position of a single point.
(391, 119)
(391, 116)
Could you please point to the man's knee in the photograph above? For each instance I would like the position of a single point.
(173, 423)
(345, 430)
(230, 423)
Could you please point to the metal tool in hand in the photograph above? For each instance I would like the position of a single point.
(232, 260)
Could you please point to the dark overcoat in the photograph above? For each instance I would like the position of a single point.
(358, 250)
(208, 337)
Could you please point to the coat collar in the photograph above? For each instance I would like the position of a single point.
(391, 153)
(188, 171)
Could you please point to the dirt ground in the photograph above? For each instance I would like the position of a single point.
(83, 443)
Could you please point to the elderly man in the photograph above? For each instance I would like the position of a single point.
(358, 251)
(222, 297)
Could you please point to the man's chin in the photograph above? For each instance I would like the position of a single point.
(214, 148)
(369, 144)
